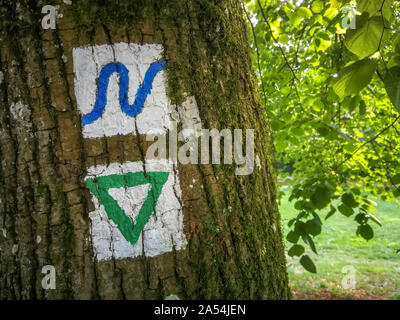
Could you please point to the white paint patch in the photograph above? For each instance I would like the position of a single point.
(160, 235)
(38, 239)
(88, 62)
(14, 249)
(189, 117)
(21, 113)
(172, 297)
(258, 162)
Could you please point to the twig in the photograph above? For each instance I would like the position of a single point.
(276, 41)
(257, 51)
(369, 141)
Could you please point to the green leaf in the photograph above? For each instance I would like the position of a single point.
(290, 223)
(345, 210)
(292, 237)
(354, 103)
(299, 227)
(350, 147)
(299, 205)
(316, 217)
(387, 9)
(321, 197)
(396, 193)
(373, 7)
(309, 241)
(396, 179)
(313, 227)
(330, 13)
(308, 264)
(276, 124)
(396, 44)
(370, 6)
(336, 3)
(392, 86)
(374, 219)
(361, 218)
(394, 61)
(348, 200)
(304, 12)
(365, 231)
(363, 108)
(323, 130)
(298, 131)
(317, 6)
(331, 212)
(355, 77)
(365, 39)
(296, 251)
(283, 38)
(280, 146)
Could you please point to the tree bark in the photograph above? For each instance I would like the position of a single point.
(234, 244)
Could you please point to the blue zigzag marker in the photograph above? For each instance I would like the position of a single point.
(141, 94)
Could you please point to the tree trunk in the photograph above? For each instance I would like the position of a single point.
(231, 243)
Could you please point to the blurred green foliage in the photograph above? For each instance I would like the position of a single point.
(329, 75)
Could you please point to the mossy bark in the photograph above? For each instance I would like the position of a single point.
(232, 224)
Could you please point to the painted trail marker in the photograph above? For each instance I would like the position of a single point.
(102, 86)
(135, 213)
(121, 89)
(100, 186)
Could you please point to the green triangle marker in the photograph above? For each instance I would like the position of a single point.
(99, 186)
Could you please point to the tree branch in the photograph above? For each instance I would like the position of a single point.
(257, 52)
(369, 141)
(278, 44)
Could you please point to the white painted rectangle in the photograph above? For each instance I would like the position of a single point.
(162, 234)
(88, 63)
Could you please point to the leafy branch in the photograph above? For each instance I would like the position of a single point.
(279, 46)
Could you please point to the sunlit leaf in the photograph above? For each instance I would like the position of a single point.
(317, 6)
(374, 6)
(355, 77)
(366, 38)
(304, 12)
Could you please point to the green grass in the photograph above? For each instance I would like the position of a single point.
(376, 263)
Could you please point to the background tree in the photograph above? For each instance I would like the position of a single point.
(232, 225)
(329, 73)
